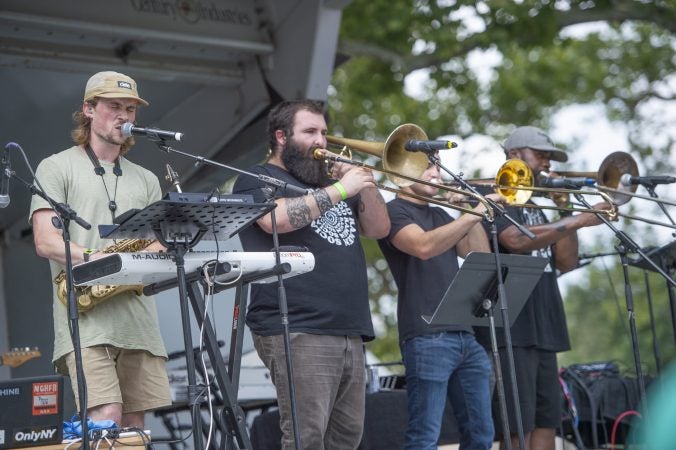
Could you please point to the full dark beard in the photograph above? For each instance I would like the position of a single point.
(303, 167)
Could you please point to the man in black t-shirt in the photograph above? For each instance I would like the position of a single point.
(442, 361)
(328, 308)
(539, 331)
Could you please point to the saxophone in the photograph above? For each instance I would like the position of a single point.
(90, 296)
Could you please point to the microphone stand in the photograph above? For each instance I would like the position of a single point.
(502, 299)
(62, 221)
(273, 185)
(626, 245)
(653, 330)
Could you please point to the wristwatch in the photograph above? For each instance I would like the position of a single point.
(88, 253)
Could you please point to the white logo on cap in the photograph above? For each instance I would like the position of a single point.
(124, 84)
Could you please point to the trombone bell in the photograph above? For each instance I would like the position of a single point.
(610, 172)
(396, 159)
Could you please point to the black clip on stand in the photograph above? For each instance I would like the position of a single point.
(502, 297)
(64, 215)
(628, 245)
(650, 187)
(274, 185)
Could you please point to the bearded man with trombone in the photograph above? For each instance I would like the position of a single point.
(539, 331)
(328, 309)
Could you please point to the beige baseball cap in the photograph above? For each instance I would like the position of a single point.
(112, 85)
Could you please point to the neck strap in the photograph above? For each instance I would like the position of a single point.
(98, 169)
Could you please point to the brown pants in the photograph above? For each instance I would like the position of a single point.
(329, 382)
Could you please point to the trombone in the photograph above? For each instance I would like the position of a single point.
(514, 176)
(608, 179)
(515, 181)
(402, 168)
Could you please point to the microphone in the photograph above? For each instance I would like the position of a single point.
(628, 180)
(4, 177)
(567, 183)
(428, 146)
(128, 129)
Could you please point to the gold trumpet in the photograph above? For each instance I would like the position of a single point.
(515, 181)
(401, 167)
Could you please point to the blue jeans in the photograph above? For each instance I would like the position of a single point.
(447, 365)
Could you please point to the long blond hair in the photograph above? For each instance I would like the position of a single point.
(82, 132)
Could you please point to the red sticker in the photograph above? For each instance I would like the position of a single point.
(45, 397)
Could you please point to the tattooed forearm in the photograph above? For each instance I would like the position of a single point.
(377, 201)
(323, 200)
(298, 212)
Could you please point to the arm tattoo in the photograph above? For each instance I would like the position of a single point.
(298, 212)
(561, 228)
(323, 200)
(378, 201)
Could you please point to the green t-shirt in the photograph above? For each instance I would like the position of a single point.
(126, 321)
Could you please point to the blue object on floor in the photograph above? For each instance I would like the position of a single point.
(73, 429)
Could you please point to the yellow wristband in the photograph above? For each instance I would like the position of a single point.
(88, 252)
(343, 193)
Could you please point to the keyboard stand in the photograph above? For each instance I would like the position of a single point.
(179, 224)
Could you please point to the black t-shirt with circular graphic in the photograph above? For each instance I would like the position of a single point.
(332, 299)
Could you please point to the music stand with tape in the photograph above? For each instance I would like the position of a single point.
(476, 281)
(472, 296)
(179, 222)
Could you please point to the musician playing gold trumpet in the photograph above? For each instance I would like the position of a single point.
(443, 362)
(539, 331)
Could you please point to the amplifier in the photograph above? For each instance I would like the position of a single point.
(31, 411)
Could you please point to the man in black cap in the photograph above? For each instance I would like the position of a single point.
(539, 331)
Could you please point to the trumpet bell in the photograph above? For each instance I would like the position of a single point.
(514, 173)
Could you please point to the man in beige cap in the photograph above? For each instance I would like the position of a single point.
(122, 350)
(540, 330)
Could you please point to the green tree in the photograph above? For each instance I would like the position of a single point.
(489, 65)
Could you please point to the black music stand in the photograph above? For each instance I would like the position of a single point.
(665, 258)
(472, 296)
(179, 223)
(476, 281)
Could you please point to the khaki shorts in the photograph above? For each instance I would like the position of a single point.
(135, 378)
